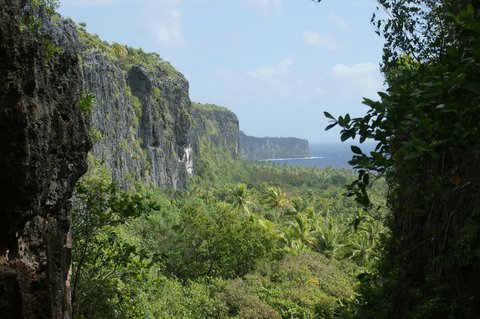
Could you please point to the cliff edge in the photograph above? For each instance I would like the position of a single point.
(261, 148)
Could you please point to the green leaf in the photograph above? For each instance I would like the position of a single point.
(330, 126)
(345, 136)
(356, 150)
(328, 115)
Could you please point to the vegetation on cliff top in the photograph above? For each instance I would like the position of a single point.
(123, 54)
(209, 107)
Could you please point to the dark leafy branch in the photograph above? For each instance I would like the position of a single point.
(426, 110)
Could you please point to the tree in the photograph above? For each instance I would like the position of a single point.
(360, 249)
(276, 198)
(105, 267)
(239, 198)
(329, 237)
(427, 129)
(298, 205)
(214, 241)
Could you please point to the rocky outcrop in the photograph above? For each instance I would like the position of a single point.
(141, 115)
(216, 125)
(165, 123)
(114, 122)
(260, 148)
(43, 149)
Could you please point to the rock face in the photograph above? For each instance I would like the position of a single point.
(44, 142)
(141, 114)
(259, 148)
(113, 119)
(216, 125)
(165, 124)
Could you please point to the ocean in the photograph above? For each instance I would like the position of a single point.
(322, 155)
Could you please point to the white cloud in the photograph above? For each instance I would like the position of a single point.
(340, 23)
(271, 82)
(272, 73)
(166, 28)
(162, 19)
(268, 7)
(361, 79)
(318, 39)
(275, 80)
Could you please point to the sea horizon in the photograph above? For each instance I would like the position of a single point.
(333, 154)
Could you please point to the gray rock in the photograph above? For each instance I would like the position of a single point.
(218, 126)
(44, 142)
(165, 124)
(114, 118)
(148, 142)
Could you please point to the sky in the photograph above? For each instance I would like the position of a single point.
(278, 64)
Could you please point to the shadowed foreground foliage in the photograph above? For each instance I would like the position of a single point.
(427, 128)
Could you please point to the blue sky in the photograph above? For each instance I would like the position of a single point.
(278, 64)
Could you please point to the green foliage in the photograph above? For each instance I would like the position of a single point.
(225, 230)
(50, 49)
(135, 101)
(206, 238)
(86, 103)
(427, 128)
(95, 135)
(50, 5)
(239, 198)
(307, 286)
(209, 107)
(242, 301)
(125, 55)
(186, 259)
(106, 268)
(30, 23)
(216, 165)
(137, 107)
(30, 20)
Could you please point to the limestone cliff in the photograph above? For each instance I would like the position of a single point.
(216, 125)
(258, 148)
(141, 115)
(43, 148)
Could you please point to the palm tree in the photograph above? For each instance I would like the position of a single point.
(360, 249)
(329, 237)
(291, 243)
(239, 198)
(298, 205)
(302, 229)
(277, 199)
(373, 230)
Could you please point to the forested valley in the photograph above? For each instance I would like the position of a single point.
(265, 241)
(244, 240)
(169, 221)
